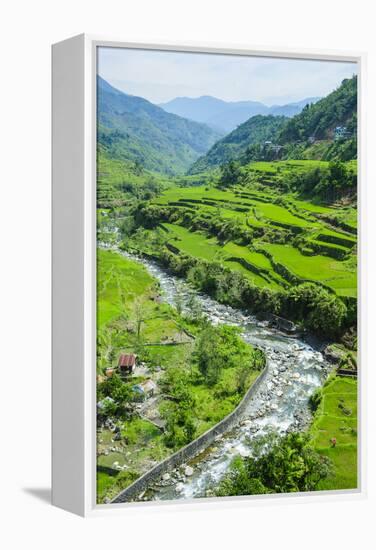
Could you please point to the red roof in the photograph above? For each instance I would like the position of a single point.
(127, 360)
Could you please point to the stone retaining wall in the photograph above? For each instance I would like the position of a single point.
(192, 449)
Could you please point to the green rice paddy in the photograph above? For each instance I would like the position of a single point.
(336, 418)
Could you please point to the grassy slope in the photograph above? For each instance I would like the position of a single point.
(113, 175)
(331, 422)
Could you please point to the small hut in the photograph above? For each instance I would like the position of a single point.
(127, 363)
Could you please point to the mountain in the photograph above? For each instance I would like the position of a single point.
(307, 135)
(132, 128)
(292, 109)
(257, 129)
(227, 115)
(319, 120)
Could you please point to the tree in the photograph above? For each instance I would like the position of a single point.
(277, 465)
(219, 348)
(105, 348)
(178, 412)
(194, 308)
(230, 174)
(321, 310)
(138, 168)
(139, 315)
(120, 393)
(179, 299)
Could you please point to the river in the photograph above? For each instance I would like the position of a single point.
(295, 368)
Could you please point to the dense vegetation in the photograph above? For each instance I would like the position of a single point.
(277, 465)
(274, 237)
(131, 128)
(320, 119)
(255, 130)
(307, 135)
(202, 372)
(247, 246)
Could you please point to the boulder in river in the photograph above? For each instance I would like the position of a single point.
(188, 471)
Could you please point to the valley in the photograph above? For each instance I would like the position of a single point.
(221, 258)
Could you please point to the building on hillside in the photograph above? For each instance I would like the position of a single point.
(144, 390)
(110, 372)
(341, 132)
(127, 363)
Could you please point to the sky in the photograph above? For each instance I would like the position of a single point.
(160, 76)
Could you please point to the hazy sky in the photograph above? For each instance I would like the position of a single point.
(160, 76)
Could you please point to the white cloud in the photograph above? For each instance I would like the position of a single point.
(161, 75)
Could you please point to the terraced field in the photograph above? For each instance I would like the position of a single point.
(200, 246)
(315, 250)
(336, 418)
(339, 276)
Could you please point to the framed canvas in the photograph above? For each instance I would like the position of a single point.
(206, 283)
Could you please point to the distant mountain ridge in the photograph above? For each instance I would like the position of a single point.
(307, 135)
(339, 108)
(132, 128)
(227, 115)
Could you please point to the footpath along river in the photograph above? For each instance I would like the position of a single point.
(295, 368)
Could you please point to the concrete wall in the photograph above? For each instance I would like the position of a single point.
(192, 449)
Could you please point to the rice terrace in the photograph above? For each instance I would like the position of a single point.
(226, 289)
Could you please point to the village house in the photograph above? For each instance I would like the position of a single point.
(127, 363)
(144, 390)
(341, 133)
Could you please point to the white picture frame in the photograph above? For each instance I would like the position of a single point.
(74, 273)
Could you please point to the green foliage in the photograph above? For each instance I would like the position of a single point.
(257, 129)
(329, 183)
(230, 174)
(133, 129)
(320, 119)
(315, 400)
(178, 410)
(321, 310)
(120, 181)
(219, 348)
(278, 465)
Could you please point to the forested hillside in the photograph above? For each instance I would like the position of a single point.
(215, 258)
(320, 119)
(257, 129)
(132, 128)
(308, 135)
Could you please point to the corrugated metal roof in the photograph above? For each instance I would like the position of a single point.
(127, 360)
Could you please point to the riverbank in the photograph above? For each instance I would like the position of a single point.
(133, 318)
(296, 370)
